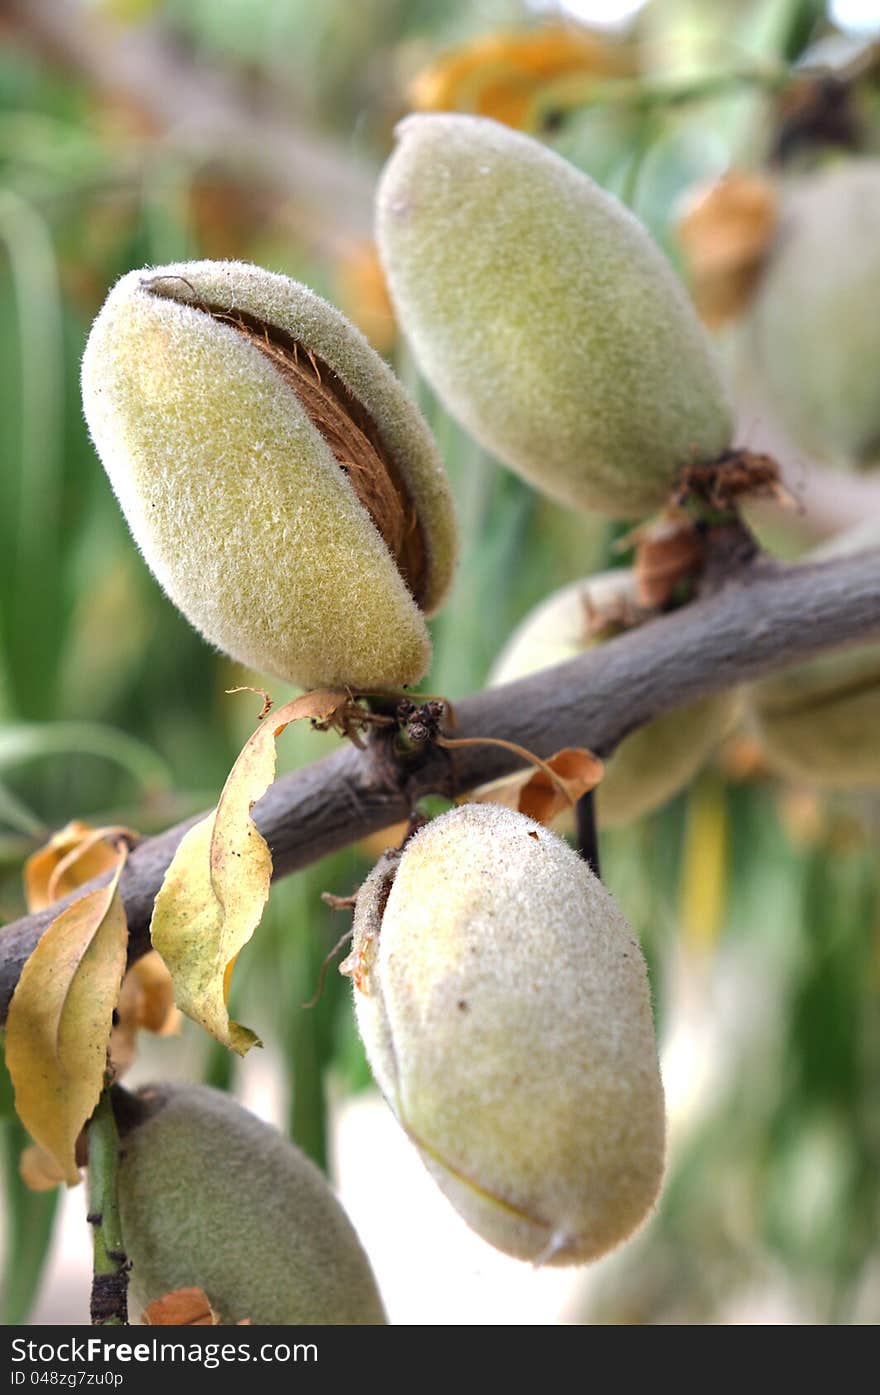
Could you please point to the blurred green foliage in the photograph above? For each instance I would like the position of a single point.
(114, 710)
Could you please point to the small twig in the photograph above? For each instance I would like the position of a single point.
(648, 97)
(336, 903)
(522, 751)
(339, 903)
(109, 1307)
(588, 838)
(260, 692)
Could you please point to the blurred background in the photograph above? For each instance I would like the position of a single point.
(135, 132)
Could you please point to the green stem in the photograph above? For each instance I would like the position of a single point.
(644, 141)
(110, 1283)
(639, 95)
(713, 85)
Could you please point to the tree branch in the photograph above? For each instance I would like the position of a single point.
(766, 618)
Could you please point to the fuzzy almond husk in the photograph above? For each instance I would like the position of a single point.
(504, 1006)
(212, 1198)
(815, 325)
(243, 500)
(819, 722)
(657, 760)
(544, 316)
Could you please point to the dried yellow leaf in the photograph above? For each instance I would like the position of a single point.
(362, 294)
(212, 898)
(704, 876)
(185, 1307)
(669, 551)
(725, 231)
(375, 844)
(38, 1169)
(146, 1002)
(155, 1010)
(60, 1019)
(576, 771)
(73, 855)
(500, 74)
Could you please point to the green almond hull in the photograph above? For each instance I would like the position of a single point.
(213, 1198)
(544, 316)
(505, 1011)
(236, 500)
(819, 722)
(815, 324)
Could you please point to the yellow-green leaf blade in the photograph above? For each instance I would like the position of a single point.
(212, 898)
(60, 1020)
(196, 938)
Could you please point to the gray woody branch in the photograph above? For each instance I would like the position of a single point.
(764, 619)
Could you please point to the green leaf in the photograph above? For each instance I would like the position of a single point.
(30, 1218)
(23, 742)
